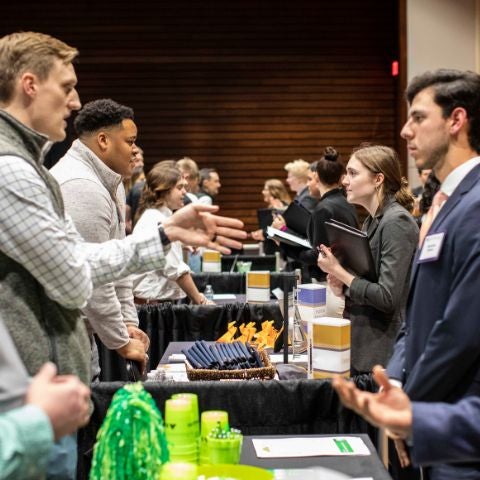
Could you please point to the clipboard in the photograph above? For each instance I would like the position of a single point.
(289, 238)
(352, 248)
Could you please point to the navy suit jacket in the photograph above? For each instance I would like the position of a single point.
(437, 354)
(446, 433)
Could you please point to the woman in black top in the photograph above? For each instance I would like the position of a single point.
(324, 182)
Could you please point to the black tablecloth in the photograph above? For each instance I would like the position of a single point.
(357, 466)
(225, 282)
(165, 323)
(291, 407)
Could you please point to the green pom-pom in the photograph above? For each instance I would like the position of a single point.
(131, 443)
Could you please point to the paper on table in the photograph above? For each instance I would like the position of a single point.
(176, 358)
(224, 296)
(310, 473)
(278, 358)
(309, 447)
(278, 293)
(176, 372)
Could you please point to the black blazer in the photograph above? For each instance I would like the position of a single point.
(332, 205)
(306, 199)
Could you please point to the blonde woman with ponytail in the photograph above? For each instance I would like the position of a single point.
(376, 309)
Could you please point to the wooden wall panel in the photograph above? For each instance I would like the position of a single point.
(244, 86)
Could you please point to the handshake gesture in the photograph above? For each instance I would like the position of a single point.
(196, 225)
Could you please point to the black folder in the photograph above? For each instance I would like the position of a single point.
(352, 249)
(297, 218)
(265, 217)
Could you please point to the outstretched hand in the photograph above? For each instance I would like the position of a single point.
(390, 408)
(197, 225)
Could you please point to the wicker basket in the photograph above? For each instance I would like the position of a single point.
(264, 373)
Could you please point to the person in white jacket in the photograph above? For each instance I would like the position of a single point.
(164, 193)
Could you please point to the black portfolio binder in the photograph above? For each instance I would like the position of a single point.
(297, 218)
(352, 249)
(265, 217)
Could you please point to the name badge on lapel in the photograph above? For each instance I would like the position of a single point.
(432, 246)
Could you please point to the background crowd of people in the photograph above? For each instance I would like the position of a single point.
(68, 269)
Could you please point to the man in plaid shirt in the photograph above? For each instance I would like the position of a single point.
(47, 271)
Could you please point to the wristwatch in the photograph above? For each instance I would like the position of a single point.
(163, 236)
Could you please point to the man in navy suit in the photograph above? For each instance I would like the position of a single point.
(438, 432)
(437, 354)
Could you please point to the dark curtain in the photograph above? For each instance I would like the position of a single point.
(236, 282)
(263, 262)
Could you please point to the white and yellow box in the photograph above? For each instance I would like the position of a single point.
(329, 341)
(258, 286)
(211, 261)
(311, 301)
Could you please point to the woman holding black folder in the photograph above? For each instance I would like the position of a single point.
(324, 183)
(376, 308)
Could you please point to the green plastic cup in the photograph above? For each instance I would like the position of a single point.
(180, 458)
(224, 450)
(209, 420)
(193, 399)
(244, 267)
(179, 422)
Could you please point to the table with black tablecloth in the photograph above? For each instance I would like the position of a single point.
(165, 323)
(289, 407)
(356, 466)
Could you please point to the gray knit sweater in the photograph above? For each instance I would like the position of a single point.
(95, 199)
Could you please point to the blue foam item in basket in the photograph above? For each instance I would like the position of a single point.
(312, 294)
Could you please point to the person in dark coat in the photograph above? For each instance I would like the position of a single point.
(324, 182)
(297, 177)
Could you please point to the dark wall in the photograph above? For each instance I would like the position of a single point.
(244, 86)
